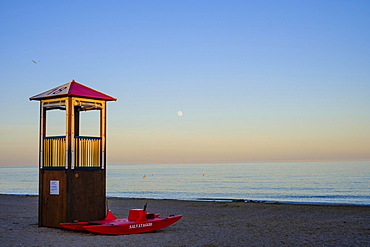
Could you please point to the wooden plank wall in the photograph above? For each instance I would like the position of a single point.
(81, 196)
(86, 199)
(52, 208)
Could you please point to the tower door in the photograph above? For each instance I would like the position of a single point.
(52, 201)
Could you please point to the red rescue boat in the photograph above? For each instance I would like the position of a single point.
(138, 221)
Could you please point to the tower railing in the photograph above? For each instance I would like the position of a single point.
(54, 152)
(86, 152)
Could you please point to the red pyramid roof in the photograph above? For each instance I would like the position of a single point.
(72, 89)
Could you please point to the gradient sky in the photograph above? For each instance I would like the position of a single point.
(255, 80)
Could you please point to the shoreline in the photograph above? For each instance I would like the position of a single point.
(205, 223)
(222, 200)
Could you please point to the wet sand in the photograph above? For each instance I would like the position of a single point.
(203, 224)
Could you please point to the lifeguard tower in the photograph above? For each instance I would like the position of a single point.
(72, 175)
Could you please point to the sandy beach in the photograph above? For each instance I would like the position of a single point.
(203, 224)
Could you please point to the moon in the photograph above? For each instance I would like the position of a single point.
(179, 113)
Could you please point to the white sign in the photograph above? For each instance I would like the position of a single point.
(141, 225)
(54, 187)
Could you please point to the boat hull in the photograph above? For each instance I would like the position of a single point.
(122, 226)
(77, 226)
(132, 227)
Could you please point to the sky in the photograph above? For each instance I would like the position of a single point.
(256, 81)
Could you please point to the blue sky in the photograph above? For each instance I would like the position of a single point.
(255, 80)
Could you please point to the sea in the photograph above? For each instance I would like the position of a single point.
(329, 182)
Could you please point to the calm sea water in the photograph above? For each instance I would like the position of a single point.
(302, 182)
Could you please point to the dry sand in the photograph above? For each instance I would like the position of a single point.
(203, 224)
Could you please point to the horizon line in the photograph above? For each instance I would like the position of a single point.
(218, 162)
